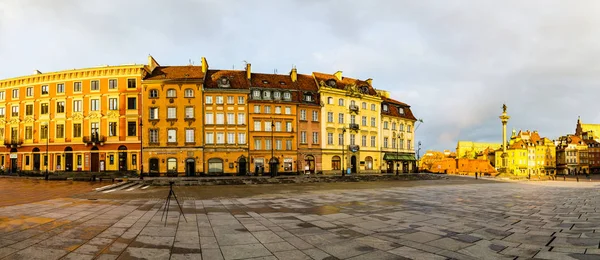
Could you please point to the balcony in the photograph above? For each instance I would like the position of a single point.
(13, 143)
(94, 139)
(353, 148)
(354, 108)
(354, 127)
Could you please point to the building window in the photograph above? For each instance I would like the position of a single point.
(330, 101)
(112, 128)
(189, 112)
(77, 130)
(341, 118)
(44, 132)
(369, 163)
(277, 126)
(241, 138)
(352, 139)
(95, 104)
(401, 146)
(364, 140)
(373, 124)
(230, 100)
(230, 118)
(256, 109)
(60, 131)
(408, 144)
(402, 127)
(308, 97)
(385, 125)
(341, 102)
(278, 110)
(329, 138)
(341, 139)
(171, 113)
(330, 117)
(336, 163)
(241, 120)
(15, 110)
(76, 86)
(29, 110)
(266, 94)
(268, 144)
(315, 116)
(385, 142)
(95, 128)
(256, 94)
(408, 128)
(393, 125)
(2, 114)
(315, 137)
(94, 85)
(60, 107)
(373, 107)
(257, 125)
(172, 135)
(15, 93)
(171, 93)
(231, 138)
(29, 132)
(277, 95)
(352, 119)
(288, 145)
(210, 138)
(267, 109)
(112, 84)
(288, 126)
(2, 98)
(219, 100)
(287, 96)
(385, 108)
(172, 165)
(131, 103)
(288, 110)
(189, 93)
(153, 93)
(29, 92)
(364, 121)
(131, 128)
(393, 143)
(215, 165)
(220, 138)
(268, 126)
(77, 106)
(303, 114)
(189, 136)
(131, 83)
(153, 113)
(257, 144)
(240, 100)
(372, 141)
(303, 137)
(220, 119)
(278, 144)
(60, 88)
(113, 104)
(44, 108)
(364, 105)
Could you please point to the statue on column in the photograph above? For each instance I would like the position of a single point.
(504, 108)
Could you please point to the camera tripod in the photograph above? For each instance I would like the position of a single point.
(168, 202)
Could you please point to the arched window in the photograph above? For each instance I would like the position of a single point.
(189, 92)
(336, 163)
(352, 103)
(277, 95)
(172, 165)
(287, 96)
(171, 93)
(153, 93)
(341, 102)
(364, 105)
(369, 163)
(401, 127)
(215, 165)
(393, 125)
(373, 107)
(330, 100)
(266, 94)
(408, 128)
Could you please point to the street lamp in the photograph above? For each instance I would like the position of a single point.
(141, 150)
(47, 130)
(397, 152)
(343, 165)
(418, 157)
(273, 164)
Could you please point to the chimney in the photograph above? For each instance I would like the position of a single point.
(338, 75)
(152, 63)
(294, 74)
(370, 81)
(248, 71)
(204, 65)
(37, 72)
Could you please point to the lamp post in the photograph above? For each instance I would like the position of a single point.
(272, 163)
(47, 159)
(343, 165)
(141, 151)
(418, 153)
(396, 143)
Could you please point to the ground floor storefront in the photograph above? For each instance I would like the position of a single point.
(167, 161)
(281, 162)
(399, 163)
(310, 161)
(353, 162)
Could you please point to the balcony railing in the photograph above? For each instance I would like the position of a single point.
(354, 108)
(13, 143)
(94, 139)
(354, 127)
(353, 148)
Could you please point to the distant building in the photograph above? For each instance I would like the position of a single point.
(571, 155)
(528, 153)
(468, 149)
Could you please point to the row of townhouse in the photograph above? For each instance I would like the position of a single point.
(191, 120)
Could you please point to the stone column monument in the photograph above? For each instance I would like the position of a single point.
(504, 118)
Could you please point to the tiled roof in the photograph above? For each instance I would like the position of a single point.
(263, 80)
(176, 73)
(518, 145)
(307, 83)
(341, 84)
(393, 111)
(236, 78)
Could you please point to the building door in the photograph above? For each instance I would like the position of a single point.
(310, 162)
(122, 158)
(353, 163)
(390, 167)
(154, 166)
(36, 159)
(94, 160)
(405, 167)
(68, 159)
(242, 166)
(190, 167)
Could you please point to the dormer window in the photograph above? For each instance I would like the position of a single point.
(331, 83)
(401, 110)
(277, 95)
(265, 81)
(385, 108)
(281, 83)
(308, 97)
(266, 94)
(364, 90)
(256, 94)
(287, 96)
(223, 82)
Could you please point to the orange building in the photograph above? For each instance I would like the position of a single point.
(273, 131)
(83, 120)
(309, 120)
(225, 122)
(172, 106)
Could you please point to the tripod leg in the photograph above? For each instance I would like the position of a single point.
(180, 209)
(169, 203)
(165, 208)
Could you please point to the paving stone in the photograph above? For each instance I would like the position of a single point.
(292, 255)
(212, 253)
(347, 249)
(244, 251)
(145, 253)
(413, 253)
(279, 246)
(267, 237)
(575, 242)
(421, 237)
(448, 244)
(316, 254)
(39, 253)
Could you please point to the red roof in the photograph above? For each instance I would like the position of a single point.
(341, 84)
(393, 106)
(176, 73)
(235, 78)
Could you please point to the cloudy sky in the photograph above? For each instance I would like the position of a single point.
(454, 62)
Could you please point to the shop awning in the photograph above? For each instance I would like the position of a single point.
(398, 157)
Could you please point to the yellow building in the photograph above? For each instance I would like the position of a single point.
(226, 122)
(529, 154)
(468, 149)
(591, 130)
(572, 155)
(397, 136)
(172, 112)
(83, 119)
(350, 119)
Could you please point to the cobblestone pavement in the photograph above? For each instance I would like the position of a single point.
(543, 220)
(15, 191)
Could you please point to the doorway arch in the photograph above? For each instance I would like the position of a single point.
(309, 161)
(122, 158)
(190, 167)
(242, 167)
(353, 163)
(13, 161)
(36, 158)
(68, 159)
(154, 168)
